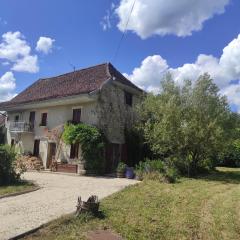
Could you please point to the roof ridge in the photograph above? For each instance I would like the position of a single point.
(82, 69)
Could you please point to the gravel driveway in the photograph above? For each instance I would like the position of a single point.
(57, 196)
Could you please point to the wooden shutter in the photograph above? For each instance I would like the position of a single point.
(32, 119)
(44, 119)
(36, 148)
(76, 115)
(74, 150)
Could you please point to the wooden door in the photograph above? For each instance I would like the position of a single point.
(112, 157)
(51, 154)
(36, 148)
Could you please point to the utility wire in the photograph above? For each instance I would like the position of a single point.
(124, 32)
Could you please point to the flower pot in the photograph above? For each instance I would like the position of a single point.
(121, 174)
(129, 173)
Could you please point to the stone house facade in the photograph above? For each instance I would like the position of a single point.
(98, 95)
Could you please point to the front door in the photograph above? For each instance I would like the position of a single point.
(51, 154)
(112, 156)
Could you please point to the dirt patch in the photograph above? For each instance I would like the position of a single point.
(103, 235)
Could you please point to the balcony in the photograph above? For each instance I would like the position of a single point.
(21, 127)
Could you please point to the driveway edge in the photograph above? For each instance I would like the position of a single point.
(20, 193)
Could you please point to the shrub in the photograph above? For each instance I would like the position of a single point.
(8, 172)
(156, 170)
(154, 176)
(230, 156)
(171, 175)
(121, 167)
(190, 122)
(92, 144)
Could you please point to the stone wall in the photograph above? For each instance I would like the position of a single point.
(114, 115)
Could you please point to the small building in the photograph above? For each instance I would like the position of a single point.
(98, 95)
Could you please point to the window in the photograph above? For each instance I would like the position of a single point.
(76, 115)
(44, 119)
(128, 98)
(74, 150)
(16, 119)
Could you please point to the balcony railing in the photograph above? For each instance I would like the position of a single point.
(21, 127)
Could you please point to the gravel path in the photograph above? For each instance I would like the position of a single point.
(57, 196)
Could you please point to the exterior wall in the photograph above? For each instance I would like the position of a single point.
(58, 115)
(114, 115)
(109, 112)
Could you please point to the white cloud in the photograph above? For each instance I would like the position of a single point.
(223, 70)
(163, 17)
(7, 86)
(45, 45)
(26, 64)
(13, 46)
(106, 20)
(16, 50)
(233, 94)
(149, 74)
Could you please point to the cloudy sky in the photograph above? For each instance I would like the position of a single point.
(186, 37)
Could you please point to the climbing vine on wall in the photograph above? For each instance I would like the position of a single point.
(91, 140)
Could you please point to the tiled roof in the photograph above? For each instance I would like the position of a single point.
(73, 83)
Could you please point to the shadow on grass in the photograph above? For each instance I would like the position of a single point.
(223, 175)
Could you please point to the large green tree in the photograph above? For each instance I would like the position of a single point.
(186, 124)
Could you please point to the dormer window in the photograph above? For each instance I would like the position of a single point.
(128, 98)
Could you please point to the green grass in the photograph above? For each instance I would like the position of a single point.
(204, 208)
(16, 188)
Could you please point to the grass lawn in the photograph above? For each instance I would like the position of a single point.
(19, 187)
(203, 208)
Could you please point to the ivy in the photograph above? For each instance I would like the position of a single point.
(91, 140)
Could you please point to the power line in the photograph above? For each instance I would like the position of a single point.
(124, 32)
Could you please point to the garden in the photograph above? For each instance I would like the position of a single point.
(10, 174)
(186, 156)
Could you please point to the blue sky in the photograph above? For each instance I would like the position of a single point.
(79, 39)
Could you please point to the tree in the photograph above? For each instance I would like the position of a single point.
(186, 125)
(2, 134)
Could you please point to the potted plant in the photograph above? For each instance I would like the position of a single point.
(129, 173)
(121, 169)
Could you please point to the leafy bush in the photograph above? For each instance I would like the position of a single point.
(92, 144)
(156, 170)
(8, 172)
(2, 134)
(171, 175)
(121, 167)
(190, 123)
(230, 156)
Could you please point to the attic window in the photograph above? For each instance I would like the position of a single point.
(128, 98)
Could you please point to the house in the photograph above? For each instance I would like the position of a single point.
(98, 95)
